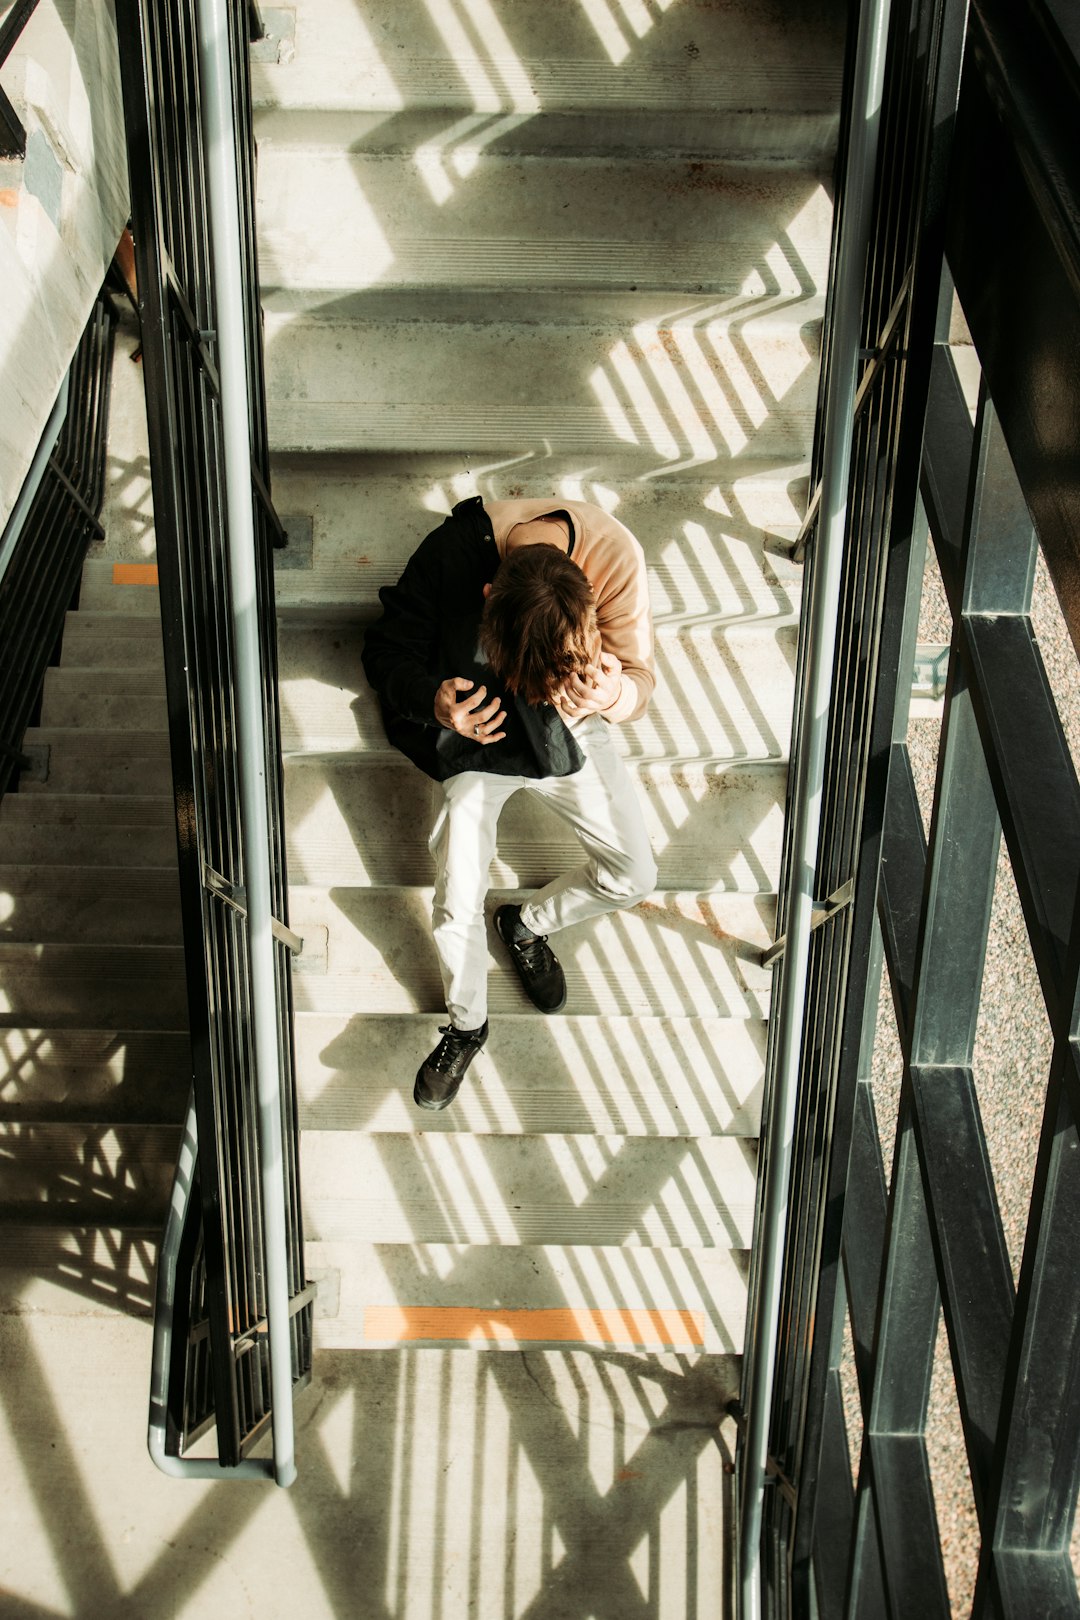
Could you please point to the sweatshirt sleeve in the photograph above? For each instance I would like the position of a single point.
(624, 616)
(401, 648)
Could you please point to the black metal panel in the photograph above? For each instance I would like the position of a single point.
(903, 865)
(867, 1206)
(946, 459)
(1014, 189)
(914, 1574)
(41, 580)
(969, 1247)
(1040, 1584)
(1034, 779)
(834, 1524)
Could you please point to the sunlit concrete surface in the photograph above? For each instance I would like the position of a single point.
(542, 1483)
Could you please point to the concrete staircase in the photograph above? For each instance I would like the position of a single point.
(572, 250)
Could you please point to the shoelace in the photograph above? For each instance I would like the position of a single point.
(453, 1043)
(535, 953)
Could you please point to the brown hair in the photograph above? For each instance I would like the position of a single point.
(538, 622)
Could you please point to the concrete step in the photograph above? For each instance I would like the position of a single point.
(74, 812)
(118, 1175)
(563, 1481)
(88, 830)
(353, 525)
(113, 845)
(491, 1296)
(723, 694)
(676, 954)
(656, 1076)
(352, 534)
(553, 1190)
(720, 383)
(354, 820)
(83, 987)
(78, 759)
(95, 1075)
(105, 699)
(598, 234)
(557, 73)
(92, 905)
(101, 641)
(122, 592)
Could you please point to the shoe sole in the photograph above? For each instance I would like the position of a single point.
(432, 1107)
(520, 976)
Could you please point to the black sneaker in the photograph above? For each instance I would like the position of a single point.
(536, 963)
(439, 1077)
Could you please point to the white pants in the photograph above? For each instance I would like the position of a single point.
(600, 803)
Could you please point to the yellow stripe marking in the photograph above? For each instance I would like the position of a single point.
(399, 1324)
(134, 574)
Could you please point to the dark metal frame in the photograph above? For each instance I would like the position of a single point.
(41, 581)
(986, 166)
(12, 133)
(221, 1306)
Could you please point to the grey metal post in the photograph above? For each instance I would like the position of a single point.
(219, 139)
(157, 1435)
(809, 768)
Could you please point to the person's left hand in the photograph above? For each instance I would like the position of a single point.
(594, 688)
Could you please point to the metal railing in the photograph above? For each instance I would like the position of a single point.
(12, 133)
(978, 158)
(46, 538)
(220, 1324)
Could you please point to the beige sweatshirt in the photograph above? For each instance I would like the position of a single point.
(614, 565)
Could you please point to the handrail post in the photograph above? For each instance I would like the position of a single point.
(809, 773)
(224, 209)
(157, 1433)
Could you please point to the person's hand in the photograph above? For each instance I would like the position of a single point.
(471, 716)
(594, 688)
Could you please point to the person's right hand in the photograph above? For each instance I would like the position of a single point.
(470, 716)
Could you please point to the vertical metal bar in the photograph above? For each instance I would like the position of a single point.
(219, 136)
(179, 1467)
(866, 105)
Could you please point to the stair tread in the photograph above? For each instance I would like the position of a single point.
(581, 222)
(354, 819)
(496, 1296)
(547, 57)
(738, 385)
(98, 1076)
(722, 693)
(675, 953)
(657, 1193)
(642, 1076)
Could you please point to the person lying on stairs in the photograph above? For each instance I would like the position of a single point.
(518, 634)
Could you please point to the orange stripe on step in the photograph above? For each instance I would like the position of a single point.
(134, 574)
(401, 1323)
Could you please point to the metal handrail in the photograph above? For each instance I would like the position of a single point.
(218, 118)
(770, 1237)
(187, 100)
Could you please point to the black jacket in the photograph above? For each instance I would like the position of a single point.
(429, 632)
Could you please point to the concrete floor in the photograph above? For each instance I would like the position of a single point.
(433, 1484)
